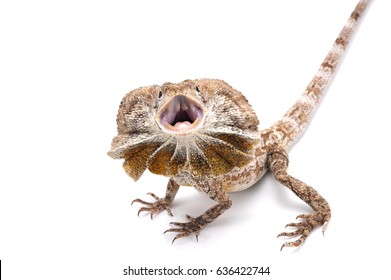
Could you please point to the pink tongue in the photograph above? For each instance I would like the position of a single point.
(182, 125)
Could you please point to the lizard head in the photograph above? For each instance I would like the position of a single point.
(203, 127)
(181, 110)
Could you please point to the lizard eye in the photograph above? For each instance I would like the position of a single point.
(198, 90)
(160, 94)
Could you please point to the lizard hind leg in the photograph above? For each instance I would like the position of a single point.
(278, 164)
(160, 204)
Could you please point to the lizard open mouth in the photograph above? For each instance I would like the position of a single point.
(181, 115)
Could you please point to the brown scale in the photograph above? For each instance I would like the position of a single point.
(205, 134)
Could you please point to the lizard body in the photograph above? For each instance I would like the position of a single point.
(204, 133)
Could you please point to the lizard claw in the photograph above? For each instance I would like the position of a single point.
(184, 229)
(304, 228)
(154, 208)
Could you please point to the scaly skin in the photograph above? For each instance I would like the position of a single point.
(204, 133)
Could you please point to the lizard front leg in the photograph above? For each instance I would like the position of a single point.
(161, 203)
(278, 164)
(215, 192)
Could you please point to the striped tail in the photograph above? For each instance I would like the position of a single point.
(292, 125)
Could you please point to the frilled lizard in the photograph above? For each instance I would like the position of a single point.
(203, 133)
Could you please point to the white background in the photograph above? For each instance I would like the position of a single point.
(65, 208)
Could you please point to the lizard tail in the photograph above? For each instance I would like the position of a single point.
(292, 125)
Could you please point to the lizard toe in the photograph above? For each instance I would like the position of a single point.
(154, 208)
(304, 228)
(185, 229)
